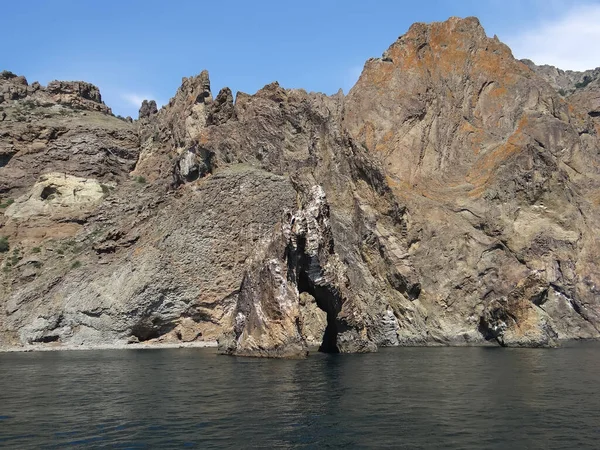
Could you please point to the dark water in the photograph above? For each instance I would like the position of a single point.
(456, 398)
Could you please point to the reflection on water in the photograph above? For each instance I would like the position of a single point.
(401, 398)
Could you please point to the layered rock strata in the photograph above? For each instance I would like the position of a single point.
(451, 198)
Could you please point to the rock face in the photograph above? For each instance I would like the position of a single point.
(452, 198)
(588, 100)
(77, 94)
(582, 89)
(62, 128)
(301, 259)
(498, 173)
(57, 194)
(147, 109)
(564, 81)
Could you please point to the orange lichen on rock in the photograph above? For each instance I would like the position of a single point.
(484, 168)
(446, 95)
(381, 75)
(474, 136)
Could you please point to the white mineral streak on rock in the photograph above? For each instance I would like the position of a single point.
(57, 194)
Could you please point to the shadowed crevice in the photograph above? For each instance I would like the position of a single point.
(310, 280)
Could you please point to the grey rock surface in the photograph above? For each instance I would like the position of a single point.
(582, 89)
(147, 109)
(452, 198)
(564, 81)
(62, 128)
(499, 174)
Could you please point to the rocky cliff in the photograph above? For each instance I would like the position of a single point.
(451, 198)
(582, 89)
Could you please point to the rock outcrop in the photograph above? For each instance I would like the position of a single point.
(498, 173)
(147, 109)
(169, 134)
(62, 128)
(270, 319)
(588, 100)
(452, 198)
(77, 94)
(582, 89)
(564, 81)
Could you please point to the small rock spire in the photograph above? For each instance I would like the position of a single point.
(148, 109)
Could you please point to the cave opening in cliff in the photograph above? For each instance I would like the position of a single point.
(4, 159)
(327, 302)
(48, 192)
(150, 328)
(47, 339)
(326, 297)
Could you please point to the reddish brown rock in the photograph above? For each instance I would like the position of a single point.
(497, 171)
(452, 198)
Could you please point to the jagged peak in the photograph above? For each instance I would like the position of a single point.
(470, 25)
(83, 89)
(77, 94)
(194, 89)
(566, 82)
(453, 34)
(532, 64)
(7, 75)
(147, 109)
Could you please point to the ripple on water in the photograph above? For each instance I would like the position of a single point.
(467, 398)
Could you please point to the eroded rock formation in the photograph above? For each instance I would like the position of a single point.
(582, 89)
(452, 198)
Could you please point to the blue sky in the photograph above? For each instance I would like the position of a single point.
(141, 49)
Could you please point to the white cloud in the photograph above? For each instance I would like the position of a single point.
(568, 42)
(135, 99)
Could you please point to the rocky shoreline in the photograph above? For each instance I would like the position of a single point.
(452, 197)
(134, 346)
(215, 344)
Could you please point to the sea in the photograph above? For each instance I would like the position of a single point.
(400, 398)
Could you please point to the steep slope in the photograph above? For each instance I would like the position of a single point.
(582, 89)
(124, 260)
(565, 82)
(587, 99)
(63, 127)
(452, 198)
(500, 176)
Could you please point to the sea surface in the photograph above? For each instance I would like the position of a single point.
(421, 398)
